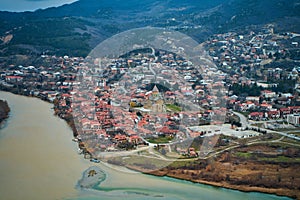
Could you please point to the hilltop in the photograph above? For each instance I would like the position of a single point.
(76, 28)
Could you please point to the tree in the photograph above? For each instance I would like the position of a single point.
(270, 55)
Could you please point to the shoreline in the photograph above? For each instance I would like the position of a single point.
(242, 188)
(35, 144)
(223, 184)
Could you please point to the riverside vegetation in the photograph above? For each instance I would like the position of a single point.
(4, 110)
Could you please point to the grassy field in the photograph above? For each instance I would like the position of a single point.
(243, 154)
(147, 163)
(173, 107)
(277, 159)
(160, 140)
(281, 159)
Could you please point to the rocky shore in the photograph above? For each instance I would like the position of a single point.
(4, 110)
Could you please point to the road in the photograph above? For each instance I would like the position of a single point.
(245, 123)
(120, 153)
(284, 134)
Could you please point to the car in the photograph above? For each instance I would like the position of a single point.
(95, 160)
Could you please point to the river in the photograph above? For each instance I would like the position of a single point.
(39, 161)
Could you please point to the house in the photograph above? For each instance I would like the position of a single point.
(283, 100)
(95, 125)
(244, 106)
(256, 115)
(295, 109)
(284, 112)
(135, 139)
(166, 130)
(266, 106)
(13, 79)
(85, 123)
(273, 114)
(193, 154)
(265, 85)
(120, 138)
(268, 94)
(248, 105)
(252, 98)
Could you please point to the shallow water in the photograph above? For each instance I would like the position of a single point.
(39, 161)
(38, 158)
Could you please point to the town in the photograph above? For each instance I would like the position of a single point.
(156, 99)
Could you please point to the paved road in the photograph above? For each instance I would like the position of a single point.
(270, 121)
(293, 131)
(120, 153)
(283, 134)
(245, 123)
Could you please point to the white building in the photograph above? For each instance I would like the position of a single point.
(294, 119)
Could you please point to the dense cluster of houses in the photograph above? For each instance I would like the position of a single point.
(261, 109)
(124, 106)
(130, 100)
(247, 58)
(249, 54)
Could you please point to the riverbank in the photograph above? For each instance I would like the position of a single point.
(243, 188)
(225, 175)
(4, 111)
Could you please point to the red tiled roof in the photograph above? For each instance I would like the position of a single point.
(284, 109)
(254, 114)
(14, 77)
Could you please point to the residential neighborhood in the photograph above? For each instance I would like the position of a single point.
(153, 97)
